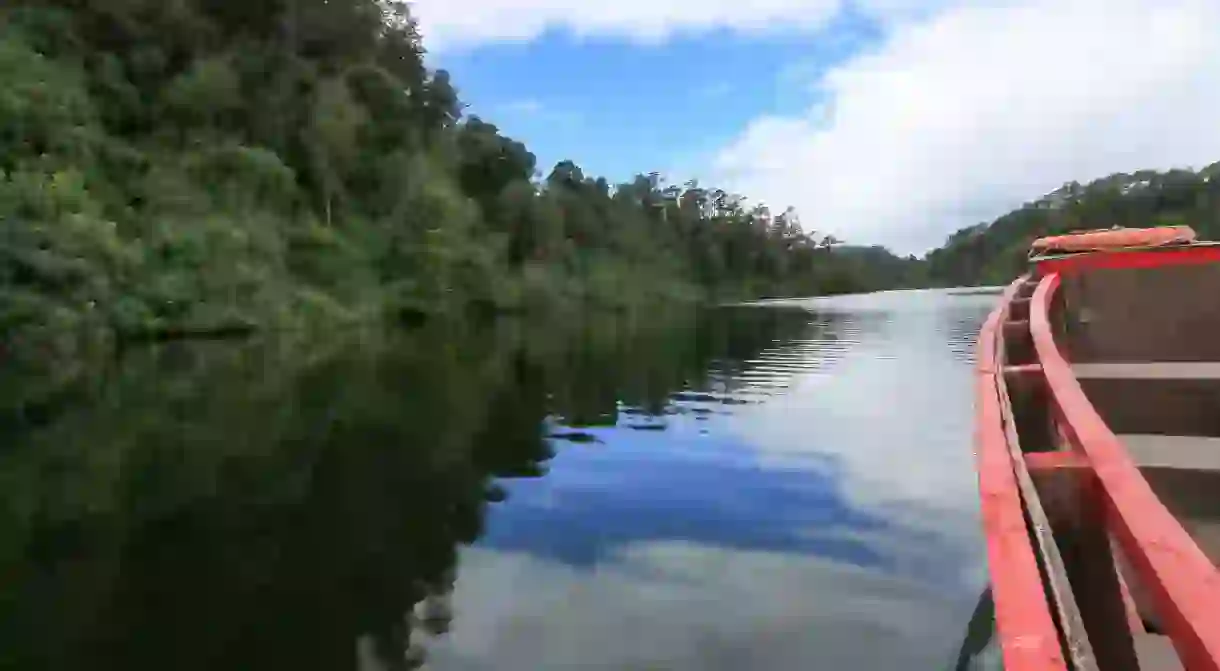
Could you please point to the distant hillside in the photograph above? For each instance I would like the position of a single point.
(995, 252)
(876, 268)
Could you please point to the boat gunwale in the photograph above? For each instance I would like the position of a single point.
(1129, 257)
(1183, 582)
(1029, 638)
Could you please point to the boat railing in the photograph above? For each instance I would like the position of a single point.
(1029, 638)
(1182, 582)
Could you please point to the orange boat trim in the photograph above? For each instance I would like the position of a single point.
(1115, 238)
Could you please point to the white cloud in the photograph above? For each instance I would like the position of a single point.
(956, 117)
(525, 107)
(446, 23)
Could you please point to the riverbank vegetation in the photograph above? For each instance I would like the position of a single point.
(202, 167)
(994, 253)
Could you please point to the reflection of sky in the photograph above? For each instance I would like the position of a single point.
(828, 522)
(676, 484)
(683, 606)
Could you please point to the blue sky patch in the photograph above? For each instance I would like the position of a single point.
(618, 107)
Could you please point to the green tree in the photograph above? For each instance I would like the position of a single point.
(204, 166)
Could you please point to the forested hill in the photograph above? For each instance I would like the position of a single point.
(995, 253)
(203, 165)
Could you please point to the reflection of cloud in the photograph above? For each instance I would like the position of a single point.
(685, 606)
(896, 416)
(678, 484)
(858, 449)
(897, 411)
(705, 546)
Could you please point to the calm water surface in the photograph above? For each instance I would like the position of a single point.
(787, 486)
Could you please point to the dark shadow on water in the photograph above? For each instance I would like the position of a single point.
(980, 631)
(255, 506)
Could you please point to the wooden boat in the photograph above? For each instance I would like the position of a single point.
(1098, 448)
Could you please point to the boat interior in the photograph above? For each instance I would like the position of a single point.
(1143, 344)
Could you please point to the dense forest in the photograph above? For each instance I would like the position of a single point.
(996, 252)
(206, 166)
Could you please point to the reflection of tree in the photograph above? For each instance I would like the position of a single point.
(781, 341)
(215, 506)
(961, 327)
(671, 358)
(279, 506)
(980, 631)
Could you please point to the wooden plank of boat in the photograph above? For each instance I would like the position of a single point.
(1184, 582)
(1175, 398)
(1191, 453)
(1148, 370)
(1193, 500)
(1029, 639)
(1156, 653)
(1080, 651)
(1060, 476)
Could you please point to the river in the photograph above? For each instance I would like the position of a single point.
(782, 486)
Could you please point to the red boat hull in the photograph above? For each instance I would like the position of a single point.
(1072, 526)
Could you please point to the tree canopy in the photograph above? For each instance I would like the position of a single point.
(204, 165)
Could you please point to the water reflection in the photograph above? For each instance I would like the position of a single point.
(223, 507)
(700, 491)
(820, 514)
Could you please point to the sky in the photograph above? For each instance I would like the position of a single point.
(888, 122)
